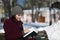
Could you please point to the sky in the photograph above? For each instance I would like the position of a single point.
(20, 2)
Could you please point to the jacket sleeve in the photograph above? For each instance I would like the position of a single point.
(7, 28)
(5, 25)
(22, 28)
(21, 25)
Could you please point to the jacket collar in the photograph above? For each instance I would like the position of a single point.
(14, 20)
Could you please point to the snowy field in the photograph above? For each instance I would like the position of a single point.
(53, 31)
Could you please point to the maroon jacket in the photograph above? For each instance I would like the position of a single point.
(13, 29)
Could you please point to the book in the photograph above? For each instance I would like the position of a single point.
(31, 33)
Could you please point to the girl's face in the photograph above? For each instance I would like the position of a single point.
(18, 17)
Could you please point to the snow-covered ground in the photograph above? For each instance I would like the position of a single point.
(1, 28)
(53, 31)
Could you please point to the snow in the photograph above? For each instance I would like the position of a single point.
(53, 31)
(2, 31)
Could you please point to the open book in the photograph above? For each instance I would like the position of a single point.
(31, 33)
